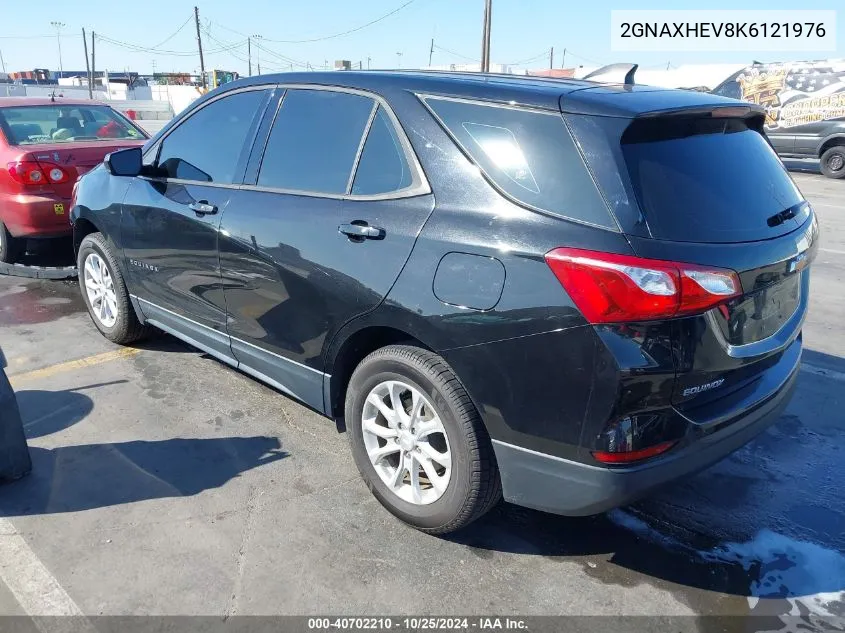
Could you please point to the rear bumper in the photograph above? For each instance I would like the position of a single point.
(35, 215)
(552, 484)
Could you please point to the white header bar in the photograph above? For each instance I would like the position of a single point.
(724, 30)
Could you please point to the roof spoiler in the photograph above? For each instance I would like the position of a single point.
(611, 72)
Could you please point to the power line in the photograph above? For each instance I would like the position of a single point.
(175, 33)
(145, 49)
(357, 28)
(446, 50)
(530, 59)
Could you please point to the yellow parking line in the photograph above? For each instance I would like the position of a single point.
(97, 359)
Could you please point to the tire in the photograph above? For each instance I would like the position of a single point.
(11, 248)
(473, 481)
(125, 328)
(833, 162)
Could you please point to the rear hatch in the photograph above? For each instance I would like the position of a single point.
(75, 159)
(696, 181)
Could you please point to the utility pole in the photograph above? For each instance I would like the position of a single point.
(199, 45)
(360, 65)
(59, 26)
(2, 63)
(249, 54)
(257, 39)
(368, 62)
(563, 61)
(87, 67)
(93, 68)
(431, 51)
(552, 58)
(485, 39)
(399, 58)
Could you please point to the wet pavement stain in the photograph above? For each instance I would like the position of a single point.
(39, 301)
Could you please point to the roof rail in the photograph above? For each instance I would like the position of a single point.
(610, 72)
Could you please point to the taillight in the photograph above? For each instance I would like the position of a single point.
(28, 172)
(610, 288)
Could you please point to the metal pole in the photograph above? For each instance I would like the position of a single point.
(257, 39)
(93, 68)
(249, 54)
(552, 58)
(431, 51)
(199, 45)
(2, 63)
(368, 62)
(87, 66)
(563, 61)
(59, 26)
(485, 41)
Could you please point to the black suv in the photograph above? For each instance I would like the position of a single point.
(566, 292)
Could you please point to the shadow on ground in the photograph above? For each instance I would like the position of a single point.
(83, 477)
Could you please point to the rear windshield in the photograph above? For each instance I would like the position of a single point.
(707, 179)
(34, 125)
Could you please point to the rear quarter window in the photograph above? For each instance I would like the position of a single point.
(528, 155)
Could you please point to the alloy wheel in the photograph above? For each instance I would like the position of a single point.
(406, 442)
(99, 286)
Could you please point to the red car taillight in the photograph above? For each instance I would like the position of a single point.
(36, 173)
(610, 288)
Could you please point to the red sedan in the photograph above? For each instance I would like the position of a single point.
(45, 146)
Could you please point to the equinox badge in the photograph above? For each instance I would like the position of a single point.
(689, 391)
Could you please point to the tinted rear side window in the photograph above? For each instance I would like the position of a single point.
(314, 141)
(382, 168)
(707, 180)
(527, 154)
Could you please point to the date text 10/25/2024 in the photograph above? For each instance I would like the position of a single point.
(417, 623)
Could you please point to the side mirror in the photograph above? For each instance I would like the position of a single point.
(124, 162)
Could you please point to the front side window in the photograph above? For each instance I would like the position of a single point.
(207, 146)
(527, 154)
(37, 125)
(314, 141)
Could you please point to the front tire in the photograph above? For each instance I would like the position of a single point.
(104, 292)
(832, 162)
(11, 248)
(418, 440)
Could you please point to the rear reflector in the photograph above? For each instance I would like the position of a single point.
(632, 456)
(610, 288)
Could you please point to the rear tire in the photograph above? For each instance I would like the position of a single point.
(832, 162)
(443, 498)
(107, 299)
(11, 248)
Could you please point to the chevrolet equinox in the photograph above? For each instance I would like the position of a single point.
(561, 292)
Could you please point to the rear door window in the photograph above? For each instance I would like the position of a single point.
(707, 180)
(315, 140)
(528, 155)
(382, 167)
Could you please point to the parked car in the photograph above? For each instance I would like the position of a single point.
(45, 145)
(805, 108)
(567, 292)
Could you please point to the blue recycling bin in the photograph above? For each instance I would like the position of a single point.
(14, 453)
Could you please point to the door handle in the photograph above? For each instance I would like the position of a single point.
(359, 231)
(201, 208)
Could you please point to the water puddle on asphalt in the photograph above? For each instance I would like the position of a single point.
(39, 301)
(798, 583)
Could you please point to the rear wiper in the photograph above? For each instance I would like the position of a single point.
(783, 216)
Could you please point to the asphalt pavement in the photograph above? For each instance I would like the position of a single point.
(167, 483)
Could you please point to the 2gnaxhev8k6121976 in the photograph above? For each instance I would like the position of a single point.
(566, 292)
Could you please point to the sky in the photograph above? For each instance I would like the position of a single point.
(523, 32)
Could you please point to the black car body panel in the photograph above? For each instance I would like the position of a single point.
(293, 286)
